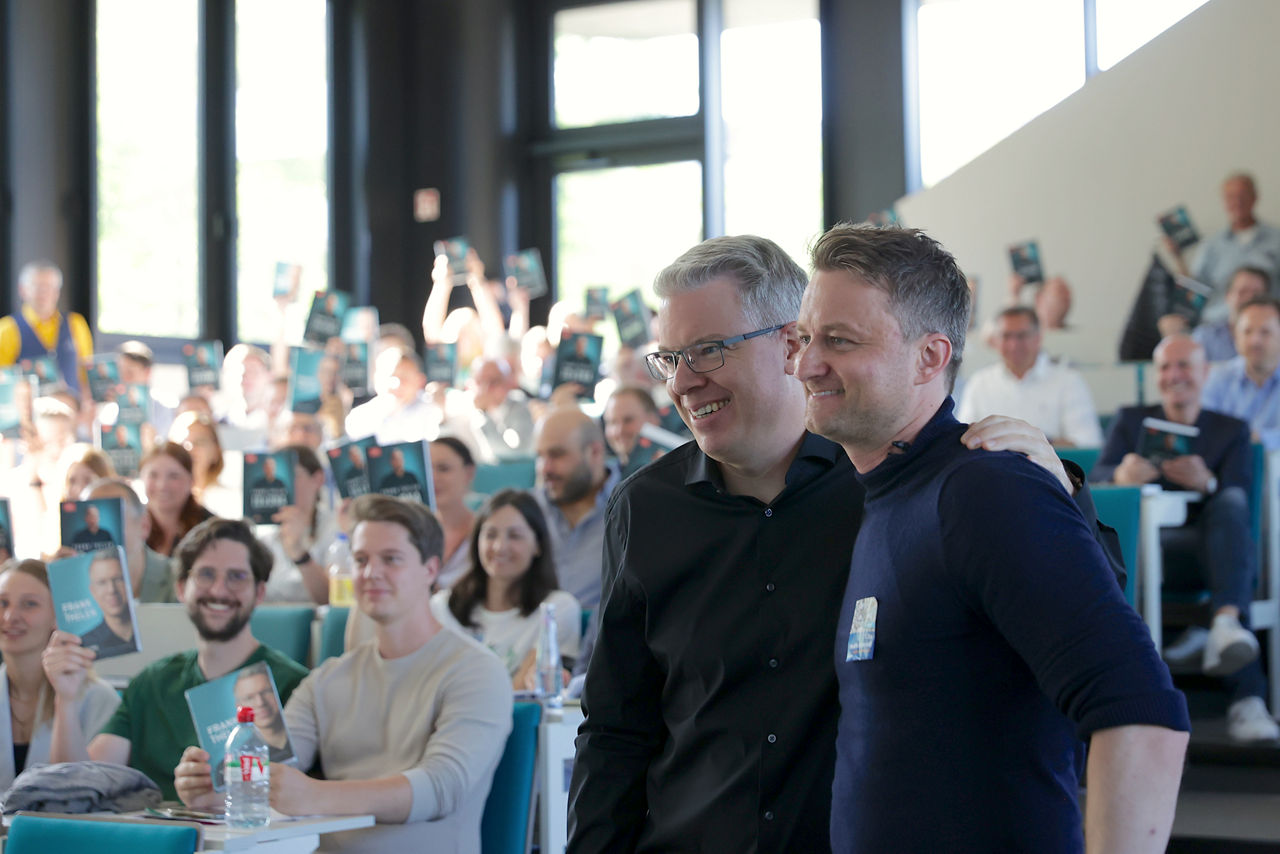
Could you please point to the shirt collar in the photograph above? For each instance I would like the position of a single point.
(815, 452)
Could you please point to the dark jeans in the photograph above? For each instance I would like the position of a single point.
(1215, 549)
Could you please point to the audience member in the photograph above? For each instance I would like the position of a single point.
(1218, 337)
(1029, 385)
(84, 465)
(492, 416)
(222, 574)
(246, 392)
(1246, 241)
(409, 726)
(135, 364)
(148, 570)
(27, 699)
(197, 434)
(168, 477)
(301, 536)
(1214, 547)
(741, 538)
(453, 470)
(37, 329)
(627, 410)
(1248, 386)
(574, 485)
(400, 412)
(512, 573)
(1000, 592)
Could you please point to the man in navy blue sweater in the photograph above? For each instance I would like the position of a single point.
(982, 638)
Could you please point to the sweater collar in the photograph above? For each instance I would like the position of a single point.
(898, 464)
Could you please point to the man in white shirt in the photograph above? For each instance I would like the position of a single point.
(399, 412)
(1027, 384)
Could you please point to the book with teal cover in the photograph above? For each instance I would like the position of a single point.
(455, 249)
(401, 471)
(122, 443)
(6, 530)
(44, 371)
(440, 361)
(14, 401)
(1025, 260)
(526, 268)
(578, 361)
(135, 402)
(92, 598)
(349, 463)
(632, 317)
(104, 376)
(1163, 440)
(91, 525)
(328, 308)
(213, 712)
(268, 484)
(1176, 224)
(305, 379)
(204, 363)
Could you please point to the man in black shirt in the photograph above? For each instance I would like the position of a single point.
(711, 697)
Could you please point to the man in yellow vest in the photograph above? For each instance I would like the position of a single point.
(39, 329)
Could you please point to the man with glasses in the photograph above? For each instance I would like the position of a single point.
(222, 576)
(710, 699)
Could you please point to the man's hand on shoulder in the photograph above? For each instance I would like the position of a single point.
(1002, 433)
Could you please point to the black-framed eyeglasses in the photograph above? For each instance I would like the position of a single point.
(701, 358)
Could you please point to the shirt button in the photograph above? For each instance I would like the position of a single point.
(772, 738)
(768, 815)
(768, 511)
(769, 587)
(773, 662)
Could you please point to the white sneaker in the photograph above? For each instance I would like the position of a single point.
(1248, 720)
(1230, 646)
(1188, 648)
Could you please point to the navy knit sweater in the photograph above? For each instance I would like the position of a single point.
(1000, 642)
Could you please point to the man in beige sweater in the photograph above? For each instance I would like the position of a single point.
(409, 726)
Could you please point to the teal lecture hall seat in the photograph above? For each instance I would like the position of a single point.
(1121, 508)
(285, 628)
(514, 473)
(506, 827)
(36, 834)
(333, 629)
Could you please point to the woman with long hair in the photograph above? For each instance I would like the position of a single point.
(196, 433)
(30, 696)
(168, 478)
(512, 572)
(453, 470)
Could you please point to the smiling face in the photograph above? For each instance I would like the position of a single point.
(392, 582)
(254, 690)
(220, 591)
(107, 587)
(738, 413)
(1181, 370)
(854, 363)
(26, 614)
(167, 483)
(508, 545)
(79, 476)
(1257, 335)
(1018, 337)
(450, 476)
(41, 292)
(624, 416)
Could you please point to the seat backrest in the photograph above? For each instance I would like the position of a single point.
(1083, 457)
(333, 630)
(506, 826)
(33, 834)
(514, 473)
(1121, 508)
(285, 628)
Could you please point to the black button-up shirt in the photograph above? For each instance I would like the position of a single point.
(711, 698)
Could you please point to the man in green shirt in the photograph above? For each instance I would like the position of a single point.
(222, 576)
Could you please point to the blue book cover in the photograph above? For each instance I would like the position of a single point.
(1025, 260)
(134, 402)
(350, 466)
(305, 379)
(401, 471)
(525, 267)
(16, 393)
(355, 367)
(44, 371)
(104, 376)
(360, 324)
(204, 363)
(328, 308)
(632, 317)
(6, 531)
(88, 526)
(1163, 440)
(268, 484)
(578, 361)
(455, 249)
(1176, 224)
(92, 598)
(441, 362)
(597, 303)
(122, 443)
(213, 712)
(288, 279)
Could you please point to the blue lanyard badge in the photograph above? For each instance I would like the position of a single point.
(862, 634)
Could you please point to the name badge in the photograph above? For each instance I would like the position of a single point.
(862, 634)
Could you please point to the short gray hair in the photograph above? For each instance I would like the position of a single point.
(770, 284)
(927, 292)
(30, 269)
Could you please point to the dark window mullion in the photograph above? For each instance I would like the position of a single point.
(217, 169)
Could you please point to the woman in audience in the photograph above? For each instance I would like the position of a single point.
(84, 465)
(196, 433)
(512, 573)
(453, 470)
(302, 535)
(168, 478)
(29, 696)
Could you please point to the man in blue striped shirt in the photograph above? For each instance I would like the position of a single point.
(1248, 386)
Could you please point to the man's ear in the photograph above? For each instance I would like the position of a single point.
(934, 356)
(791, 345)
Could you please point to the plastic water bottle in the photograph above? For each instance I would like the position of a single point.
(248, 770)
(342, 574)
(550, 685)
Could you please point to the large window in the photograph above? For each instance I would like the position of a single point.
(148, 268)
(655, 145)
(987, 67)
(281, 146)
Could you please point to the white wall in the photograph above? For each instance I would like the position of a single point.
(1088, 178)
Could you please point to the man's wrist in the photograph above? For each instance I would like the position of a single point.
(302, 559)
(1211, 486)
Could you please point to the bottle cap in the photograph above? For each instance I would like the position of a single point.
(244, 715)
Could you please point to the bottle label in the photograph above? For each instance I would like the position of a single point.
(342, 592)
(248, 768)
